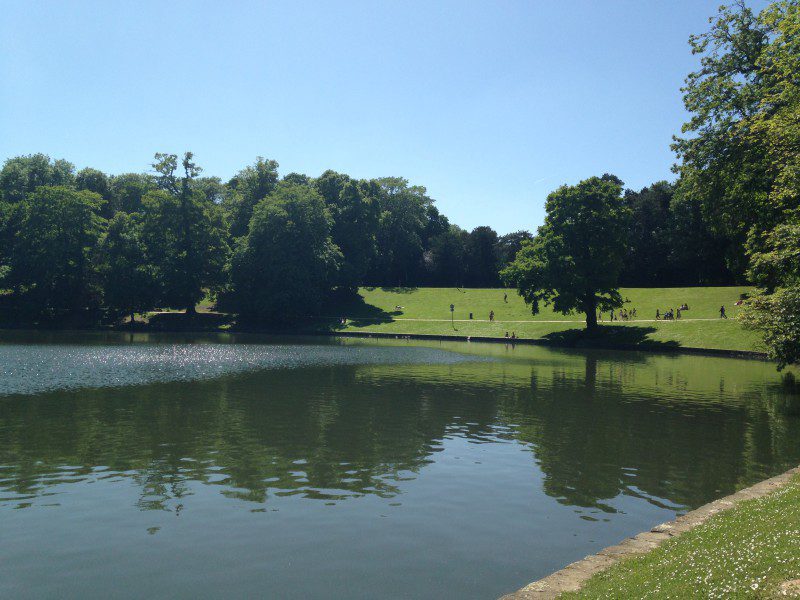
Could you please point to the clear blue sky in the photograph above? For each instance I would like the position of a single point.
(489, 105)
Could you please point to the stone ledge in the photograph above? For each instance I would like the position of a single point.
(572, 577)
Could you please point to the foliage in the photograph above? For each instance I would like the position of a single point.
(128, 189)
(508, 245)
(576, 258)
(482, 260)
(283, 268)
(740, 154)
(775, 311)
(97, 182)
(6, 239)
(777, 317)
(401, 230)
(445, 260)
(667, 234)
(129, 280)
(21, 175)
(775, 260)
(56, 231)
(249, 186)
(185, 235)
(355, 214)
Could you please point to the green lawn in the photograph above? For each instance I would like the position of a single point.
(427, 311)
(744, 552)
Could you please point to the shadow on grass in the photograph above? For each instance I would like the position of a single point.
(351, 305)
(610, 336)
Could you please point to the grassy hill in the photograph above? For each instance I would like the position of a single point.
(427, 311)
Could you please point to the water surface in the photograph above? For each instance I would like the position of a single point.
(222, 466)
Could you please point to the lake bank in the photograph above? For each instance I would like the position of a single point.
(635, 567)
(630, 337)
(423, 313)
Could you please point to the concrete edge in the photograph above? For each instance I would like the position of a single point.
(572, 577)
(542, 342)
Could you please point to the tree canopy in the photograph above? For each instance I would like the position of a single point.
(282, 269)
(575, 260)
(51, 264)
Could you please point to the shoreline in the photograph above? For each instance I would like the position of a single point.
(573, 577)
(749, 354)
(593, 345)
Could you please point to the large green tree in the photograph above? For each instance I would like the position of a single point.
(483, 260)
(401, 230)
(51, 266)
(356, 214)
(285, 266)
(129, 280)
(740, 152)
(575, 260)
(445, 259)
(184, 235)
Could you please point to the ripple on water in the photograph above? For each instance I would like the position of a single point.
(33, 369)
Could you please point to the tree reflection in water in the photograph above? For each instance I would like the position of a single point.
(598, 425)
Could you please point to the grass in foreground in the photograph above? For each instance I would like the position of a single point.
(427, 311)
(744, 552)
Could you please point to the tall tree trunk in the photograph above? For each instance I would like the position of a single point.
(590, 307)
(191, 310)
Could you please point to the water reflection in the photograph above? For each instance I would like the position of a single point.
(597, 427)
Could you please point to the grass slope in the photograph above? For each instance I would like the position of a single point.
(744, 552)
(427, 311)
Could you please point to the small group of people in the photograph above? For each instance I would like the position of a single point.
(669, 315)
(672, 314)
(513, 335)
(623, 315)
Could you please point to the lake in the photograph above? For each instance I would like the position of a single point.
(136, 465)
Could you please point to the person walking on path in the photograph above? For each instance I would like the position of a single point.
(491, 316)
(722, 314)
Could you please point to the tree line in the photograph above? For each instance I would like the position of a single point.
(268, 247)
